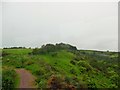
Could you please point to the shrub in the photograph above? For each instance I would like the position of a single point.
(29, 63)
(82, 69)
(85, 64)
(81, 84)
(68, 79)
(72, 71)
(8, 79)
(4, 53)
(42, 84)
(72, 62)
(48, 48)
(39, 72)
(56, 83)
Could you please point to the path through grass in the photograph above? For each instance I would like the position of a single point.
(27, 80)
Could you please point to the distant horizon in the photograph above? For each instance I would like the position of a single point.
(55, 44)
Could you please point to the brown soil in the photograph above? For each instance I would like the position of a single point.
(27, 80)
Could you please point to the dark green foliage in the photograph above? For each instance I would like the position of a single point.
(72, 62)
(65, 46)
(68, 79)
(35, 51)
(8, 79)
(72, 71)
(4, 53)
(39, 72)
(50, 48)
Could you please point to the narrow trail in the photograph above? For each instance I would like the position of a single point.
(27, 80)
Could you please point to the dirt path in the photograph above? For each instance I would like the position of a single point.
(27, 80)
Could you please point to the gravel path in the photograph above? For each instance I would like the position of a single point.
(27, 80)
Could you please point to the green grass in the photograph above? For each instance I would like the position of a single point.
(17, 81)
(86, 71)
(18, 51)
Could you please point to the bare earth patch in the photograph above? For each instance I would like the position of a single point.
(27, 80)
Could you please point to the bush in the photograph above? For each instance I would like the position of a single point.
(72, 71)
(85, 64)
(72, 62)
(39, 72)
(82, 69)
(8, 79)
(56, 83)
(4, 53)
(42, 84)
(51, 48)
(91, 83)
(29, 63)
(82, 84)
(68, 79)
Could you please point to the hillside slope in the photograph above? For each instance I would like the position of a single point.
(63, 66)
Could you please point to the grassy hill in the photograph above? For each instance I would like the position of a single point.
(62, 66)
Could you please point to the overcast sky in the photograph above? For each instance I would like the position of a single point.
(87, 25)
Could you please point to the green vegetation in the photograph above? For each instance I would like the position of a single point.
(8, 78)
(62, 66)
(17, 81)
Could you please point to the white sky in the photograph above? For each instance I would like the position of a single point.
(0, 24)
(87, 25)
